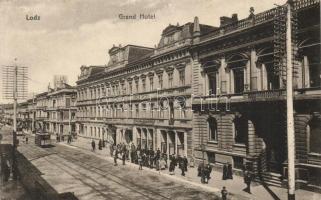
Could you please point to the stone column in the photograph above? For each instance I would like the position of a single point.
(167, 143)
(175, 142)
(231, 82)
(134, 135)
(245, 77)
(185, 143)
(253, 70)
(158, 138)
(218, 83)
(154, 139)
(264, 77)
(306, 71)
(147, 138)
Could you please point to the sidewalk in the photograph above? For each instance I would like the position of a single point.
(215, 184)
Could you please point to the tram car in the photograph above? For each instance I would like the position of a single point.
(42, 139)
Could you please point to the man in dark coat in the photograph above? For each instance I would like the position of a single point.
(229, 171)
(151, 158)
(209, 171)
(224, 193)
(182, 168)
(93, 145)
(185, 161)
(224, 172)
(100, 145)
(158, 153)
(247, 180)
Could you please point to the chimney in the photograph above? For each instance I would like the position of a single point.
(196, 31)
(196, 28)
(228, 20)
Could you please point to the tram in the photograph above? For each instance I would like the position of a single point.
(42, 139)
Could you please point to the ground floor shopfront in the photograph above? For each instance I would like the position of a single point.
(168, 140)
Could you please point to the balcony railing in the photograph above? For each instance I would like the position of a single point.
(259, 18)
(267, 94)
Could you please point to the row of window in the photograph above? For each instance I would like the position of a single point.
(142, 110)
(270, 80)
(135, 85)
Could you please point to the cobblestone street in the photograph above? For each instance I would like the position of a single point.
(69, 169)
(234, 186)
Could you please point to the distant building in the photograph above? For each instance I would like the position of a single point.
(52, 111)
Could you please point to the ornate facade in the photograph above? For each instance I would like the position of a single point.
(239, 81)
(143, 95)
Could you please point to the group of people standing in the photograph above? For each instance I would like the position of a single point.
(144, 157)
(204, 171)
(101, 144)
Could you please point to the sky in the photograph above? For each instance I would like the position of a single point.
(71, 33)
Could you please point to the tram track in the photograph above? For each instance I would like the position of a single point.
(142, 191)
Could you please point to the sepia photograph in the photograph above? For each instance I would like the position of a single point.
(160, 100)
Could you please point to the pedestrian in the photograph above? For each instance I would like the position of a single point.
(171, 167)
(26, 139)
(157, 164)
(93, 145)
(124, 157)
(247, 180)
(6, 170)
(185, 161)
(158, 153)
(209, 171)
(151, 158)
(182, 168)
(140, 162)
(224, 193)
(100, 144)
(205, 174)
(115, 157)
(202, 172)
(229, 171)
(162, 163)
(224, 177)
(165, 159)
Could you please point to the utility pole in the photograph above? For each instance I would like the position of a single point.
(69, 121)
(14, 88)
(15, 106)
(289, 104)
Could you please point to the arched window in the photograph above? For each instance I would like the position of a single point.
(212, 129)
(240, 130)
(314, 135)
